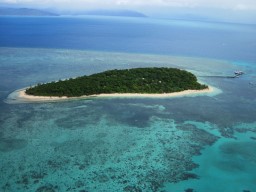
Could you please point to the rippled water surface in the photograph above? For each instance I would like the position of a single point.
(203, 143)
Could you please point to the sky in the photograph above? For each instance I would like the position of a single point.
(226, 9)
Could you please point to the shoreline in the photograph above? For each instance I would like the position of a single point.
(19, 96)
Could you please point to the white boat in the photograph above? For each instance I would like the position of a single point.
(239, 72)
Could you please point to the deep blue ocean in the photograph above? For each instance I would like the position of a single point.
(181, 144)
(136, 35)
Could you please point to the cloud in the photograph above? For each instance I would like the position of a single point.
(245, 7)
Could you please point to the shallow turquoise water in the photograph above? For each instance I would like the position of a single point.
(204, 143)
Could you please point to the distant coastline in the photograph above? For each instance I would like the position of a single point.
(24, 12)
(9, 11)
(114, 13)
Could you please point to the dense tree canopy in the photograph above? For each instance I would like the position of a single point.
(138, 80)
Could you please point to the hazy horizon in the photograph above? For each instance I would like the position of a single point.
(229, 11)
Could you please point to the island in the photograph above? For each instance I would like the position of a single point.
(136, 80)
(24, 12)
(125, 83)
(111, 12)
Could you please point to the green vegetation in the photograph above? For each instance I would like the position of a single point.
(139, 80)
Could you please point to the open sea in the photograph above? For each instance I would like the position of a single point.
(180, 144)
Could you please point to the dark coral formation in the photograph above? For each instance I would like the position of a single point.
(189, 190)
(8, 144)
(111, 151)
(47, 188)
(201, 136)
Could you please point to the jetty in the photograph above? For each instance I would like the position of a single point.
(236, 74)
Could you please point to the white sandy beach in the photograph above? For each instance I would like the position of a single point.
(20, 96)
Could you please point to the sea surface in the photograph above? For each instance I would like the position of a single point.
(183, 144)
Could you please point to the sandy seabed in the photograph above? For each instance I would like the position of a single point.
(19, 96)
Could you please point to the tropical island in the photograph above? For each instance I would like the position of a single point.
(125, 83)
(138, 80)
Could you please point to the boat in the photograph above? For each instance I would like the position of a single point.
(239, 72)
